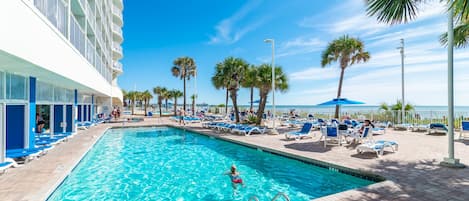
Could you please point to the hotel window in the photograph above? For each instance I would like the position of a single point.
(44, 92)
(15, 87)
(70, 96)
(59, 95)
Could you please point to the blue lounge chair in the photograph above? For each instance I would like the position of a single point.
(4, 166)
(464, 130)
(23, 154)
(330, 133)
(437, 128)
(300, 134)
(361, 137)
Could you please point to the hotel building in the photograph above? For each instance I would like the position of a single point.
(59, 63)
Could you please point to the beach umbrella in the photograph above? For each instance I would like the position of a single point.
(257, 101)
(340, 101)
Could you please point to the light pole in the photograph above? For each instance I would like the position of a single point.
(274, 130)
(402, 74)
(450, 161)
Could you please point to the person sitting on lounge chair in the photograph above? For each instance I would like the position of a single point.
(365, 124)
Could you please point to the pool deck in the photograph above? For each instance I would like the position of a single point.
(412, 173)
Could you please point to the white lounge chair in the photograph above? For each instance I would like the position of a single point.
(377, 147)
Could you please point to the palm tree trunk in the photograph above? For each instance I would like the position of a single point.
(235, 104)
(159, 105)
(252, 97)
(145, 106)
(175, 105)
(226, 102)
(339, 91)
(184, 106)
(260, 110)
(132, 105)
(193, 106)
(166, 104)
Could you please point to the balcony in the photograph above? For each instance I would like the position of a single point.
(117, 33)
(117, 15)
(117, 67)
(118, 3)
(117, 52)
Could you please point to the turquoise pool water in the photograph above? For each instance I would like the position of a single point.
(172, 164)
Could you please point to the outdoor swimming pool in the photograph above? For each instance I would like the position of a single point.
(172, 164)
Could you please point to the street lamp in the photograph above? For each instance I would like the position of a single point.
(450, 161)
(274, 130)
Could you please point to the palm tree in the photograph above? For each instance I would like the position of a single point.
(132, 96)
(162, 93)
(461, 36)
(175, 94)
(249, 82)
(184, 68)
(124, 98)
(263, 81)
(347, 51)
(397, 12)
(233, 71)
(146, 97)
(218, 81)
(193, 97)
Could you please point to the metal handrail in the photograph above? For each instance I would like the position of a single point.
(281, 194)
(253, 198)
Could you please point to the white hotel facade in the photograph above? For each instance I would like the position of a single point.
(58, 59)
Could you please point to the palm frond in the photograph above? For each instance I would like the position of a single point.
(393, 11)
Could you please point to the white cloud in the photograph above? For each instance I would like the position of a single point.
(315, 73)
(230, 31)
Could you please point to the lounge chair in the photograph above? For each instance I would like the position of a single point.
(402, 127)
(437, 128)
(420, 128)
(304, 132)
(330, 133)
(361, 137)
(23, 155)
(4, 166)
(463, 134)
(377, 146)
(248, 130)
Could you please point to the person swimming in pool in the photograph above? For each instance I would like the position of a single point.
(234, 176)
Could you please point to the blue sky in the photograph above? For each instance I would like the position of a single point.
(157, 32)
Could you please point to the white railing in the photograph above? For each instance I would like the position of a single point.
(116, 11)
(117, 29)
(91, 16)
(118, 65)
(117, 48)
(90, 49)
(77, 37)
(56, 11)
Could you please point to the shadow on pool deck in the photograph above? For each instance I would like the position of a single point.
(424, 185)
(317, 147)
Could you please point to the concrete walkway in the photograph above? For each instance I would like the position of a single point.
(412, 173)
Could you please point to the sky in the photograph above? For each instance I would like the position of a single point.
(156, 32)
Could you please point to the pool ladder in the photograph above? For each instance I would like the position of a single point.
(279, 195)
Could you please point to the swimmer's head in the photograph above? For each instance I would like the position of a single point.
(233, 168)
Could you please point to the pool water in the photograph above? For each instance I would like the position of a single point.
(171, 164)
